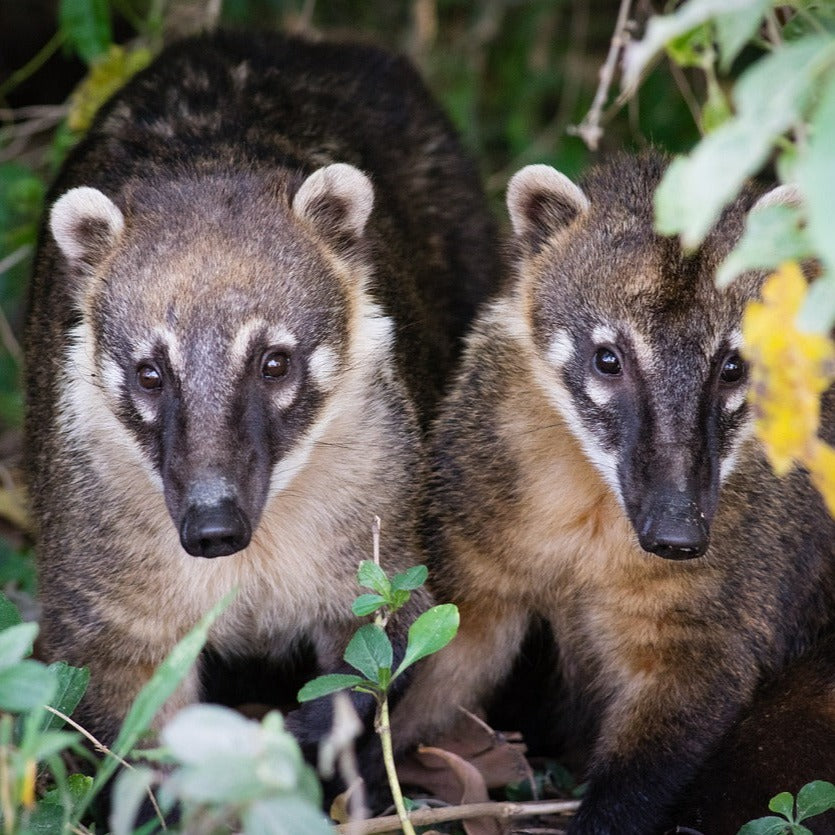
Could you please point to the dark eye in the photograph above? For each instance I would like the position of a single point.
(733, 368)
(276, 364)
(148, 377)
(606, 361)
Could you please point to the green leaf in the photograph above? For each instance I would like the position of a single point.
(367, 604)
(71, 686)
(16, 643)
(770, 97)
(232, 780)
(369, 651)
(765, 826)
(77, 786)
(200, 732)
(735, 29)
(25, 686)
(157, 691)
(816, 175)
(815, 798)
(129, 792)
(410, 579)
(371, 576)
(716, 109)
(662, 29)
(432, 631)
(52, 742)
(284, 816)
(9, 615)
(818, 311)
(772, 235)
(325, 685)
(783, 804)
(46, 819)
(694, 48)
(86, 25)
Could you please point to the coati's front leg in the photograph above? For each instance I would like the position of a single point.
(656, 732)
(463, 673)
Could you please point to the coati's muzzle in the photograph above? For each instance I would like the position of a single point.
(671, 493)
(215, 530)
(671, 524)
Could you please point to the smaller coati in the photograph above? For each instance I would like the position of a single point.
(250, 288)
(594, 466)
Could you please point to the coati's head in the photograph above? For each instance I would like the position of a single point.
(217, 317)
(635, 346)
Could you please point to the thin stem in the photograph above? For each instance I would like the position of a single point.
(384, 731)
(33, 64)
(589, 129)
(6, 776)
(103, 749)
(498, 810)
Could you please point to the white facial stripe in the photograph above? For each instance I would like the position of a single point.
(375, 333)
(323, 366)
(87, 414)
(561, 348)
(742, 434)
(561, 400)
(735, 340)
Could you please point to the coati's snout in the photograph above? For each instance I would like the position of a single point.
(672, 525)
(216, 530)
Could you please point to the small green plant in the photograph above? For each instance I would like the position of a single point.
(370, 651)
(229, 772)
(29, 739)
(813, 799)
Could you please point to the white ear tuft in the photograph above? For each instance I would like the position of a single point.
(540, 201)
(85, 224)
(338, 199)
(786, 195)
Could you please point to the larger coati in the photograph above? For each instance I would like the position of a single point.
(245, 302)
(595, 467)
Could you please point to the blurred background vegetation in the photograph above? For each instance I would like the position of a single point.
(514, 75)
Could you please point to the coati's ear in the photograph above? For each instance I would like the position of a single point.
(787, 195)
(86, 225)
(540, 201)
(337, 200)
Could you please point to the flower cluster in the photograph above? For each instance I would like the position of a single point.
(790, 369)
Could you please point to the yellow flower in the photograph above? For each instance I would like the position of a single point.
(106, 76)
(790, 369)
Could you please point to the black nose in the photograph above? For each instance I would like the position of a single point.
(675, 530)
(215, 530)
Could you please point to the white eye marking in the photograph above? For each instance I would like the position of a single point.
(561, 348)
(323, 366)
(736, 399)
(598, 393)
(604, 334)
(735, 340)
(275, 335)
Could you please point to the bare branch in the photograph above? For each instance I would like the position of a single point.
(501, 811)
(590, 130)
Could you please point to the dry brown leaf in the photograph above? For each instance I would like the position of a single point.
(455, 781)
